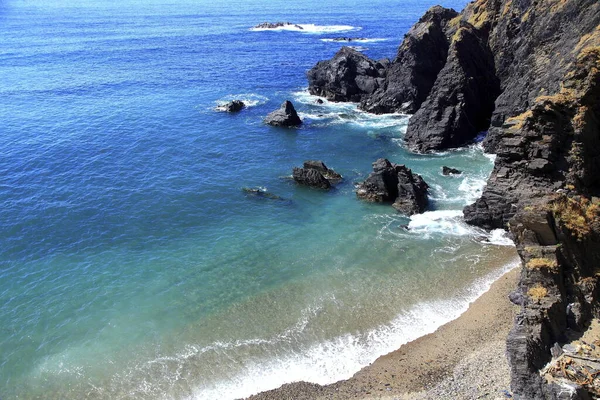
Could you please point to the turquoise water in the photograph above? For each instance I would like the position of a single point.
(132, 264)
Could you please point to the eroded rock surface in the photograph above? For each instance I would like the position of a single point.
(348, 76)
(421, 56)
(315, 173)
(395, 184)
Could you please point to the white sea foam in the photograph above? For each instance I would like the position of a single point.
(309, 28)
(447, 222)
(338, 113)
(499, 237)
(357, 40)
(343, 356)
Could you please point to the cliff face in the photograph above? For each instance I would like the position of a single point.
(546, 133)
(528, 71)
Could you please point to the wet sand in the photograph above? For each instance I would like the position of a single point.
(463, 359)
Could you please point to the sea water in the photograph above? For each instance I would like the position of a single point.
(132, 262)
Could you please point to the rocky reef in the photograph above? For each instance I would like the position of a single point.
(315, 173)
(528, 73)
(285, 116)
(396, 184)
(232, 106)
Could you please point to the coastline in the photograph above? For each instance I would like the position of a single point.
(463, 358)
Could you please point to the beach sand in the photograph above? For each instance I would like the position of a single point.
(464, 359)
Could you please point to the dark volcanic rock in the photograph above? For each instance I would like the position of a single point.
(348, 76)
(555, 281)
(395, 184)
(554, 144)
(450, 171)
(232, 106)
(285, 116)
(316, 174)
(462, 99)
(420, 58)
(310, 177)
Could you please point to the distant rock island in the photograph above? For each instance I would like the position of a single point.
(528, 73)
(275, 25)
(347, 39)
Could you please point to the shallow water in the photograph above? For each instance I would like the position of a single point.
(132, 263)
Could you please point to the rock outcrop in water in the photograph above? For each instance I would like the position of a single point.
(443, 72)
(275, 25)
(348, 76)
(450, 171)
(411, 75)
(396, 184)
(232, 106)
(460, 104)
(285, 116)
(315, 173)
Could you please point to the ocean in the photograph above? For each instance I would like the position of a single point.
(133, 265)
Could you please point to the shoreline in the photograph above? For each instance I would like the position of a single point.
(471, 347)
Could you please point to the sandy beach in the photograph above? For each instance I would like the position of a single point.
(464, 359)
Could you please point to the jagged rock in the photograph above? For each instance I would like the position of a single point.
(411, 75)
(553, 144)
(274, 25)
(461, 101)
(232, 106)
(316, 174)
(394, 184)
(450, 171)
(285, 116)
(348, 76)
(319, 101)
(310, 177)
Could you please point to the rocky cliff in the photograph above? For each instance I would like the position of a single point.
(528, 73)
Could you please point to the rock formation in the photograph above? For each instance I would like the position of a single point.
(274, 25)
(285, 116)
(546, 134)
(232, 106)
(316, 174)
(396, 184)
(450, 171)
(348, 76)
(410, 77)
(444, 71)
(460, 104)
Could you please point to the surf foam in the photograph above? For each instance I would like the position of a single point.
(309, 28)
(339, 359)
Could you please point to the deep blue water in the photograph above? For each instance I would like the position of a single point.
(132, 264)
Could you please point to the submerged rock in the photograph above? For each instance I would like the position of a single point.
(348, 76)
(261, 192)
(450, 171)
(232, 106)
(396, 184)
(316, 174)
(347, 39)
(285, 116)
